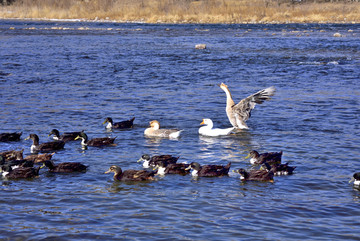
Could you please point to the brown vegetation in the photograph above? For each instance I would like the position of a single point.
(188, 11)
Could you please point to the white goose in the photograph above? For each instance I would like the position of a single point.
(239, 113)
(208, 130)
(155, 131)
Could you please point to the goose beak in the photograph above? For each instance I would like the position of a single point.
(202, 123)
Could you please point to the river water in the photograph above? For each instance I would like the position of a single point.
(72, 75)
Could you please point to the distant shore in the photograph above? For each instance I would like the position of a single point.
(185, 11)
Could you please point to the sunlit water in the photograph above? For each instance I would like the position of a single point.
(72, 75)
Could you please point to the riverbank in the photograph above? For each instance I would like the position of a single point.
(185, 11)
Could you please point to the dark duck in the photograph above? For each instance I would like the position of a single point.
(10, 136)
(44, 147)
(279, 169)
(209, 170)
(163, 168)
(255, 175)
(150, 162)
(270, 157)
(67, 136)
(65, 167)
(12, 155)
(119, 125)
(98, 142)
(20, 172)
(130, 175)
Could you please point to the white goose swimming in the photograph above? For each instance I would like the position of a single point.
(155, 131)
(208, 130)
(239, 113)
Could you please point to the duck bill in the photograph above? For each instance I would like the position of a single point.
(247, 156)
(27, 138)
(105, 122)
(108, 171)
(140, 160)
(188, 168)
(77, 138)
(352, 179)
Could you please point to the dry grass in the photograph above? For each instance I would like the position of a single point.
(185, 11)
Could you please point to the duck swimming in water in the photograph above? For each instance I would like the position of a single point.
(279, 169)
(208, 129)
(12, 155)
(270, 157)
(239, 113)
(130, 175)
(65, 167)
(20, 172)
(119, 125)
(67, 136)
(150, 162)
(356, 179)
(102, 141)
(155, 131)
(163, 168)
(10, 136)
(44, 147)
(209, 170)
(255, 175)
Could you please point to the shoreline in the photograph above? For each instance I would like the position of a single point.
(174, 23)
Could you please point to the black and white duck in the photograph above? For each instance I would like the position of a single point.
(279, 169)
(270, 157)
(209, 170)
(65, 167)
(150, 162)
(119, 125)
(130, 175)
(66, 136)
(98, 142)
(239, 113)
(46, 146)
(356, 179)
(255, 175)
(10, 136)
(21, 172)
(163, 168)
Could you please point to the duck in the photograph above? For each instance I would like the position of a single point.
(21, 172)
(255, 175)
(100, 141)
(239, 113)
(64, 167)
(208, 130)
(150, 162)
(12, 155)
(67, 136)
(270, 157)
(356, 179)
(155, 131)
(119, 125)
(130, 175)
(38, 158)
(44, 147)
(10, 136)
(279, 169)
(209, 170)
(163, 168)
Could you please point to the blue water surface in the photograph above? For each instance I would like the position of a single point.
(72, 75)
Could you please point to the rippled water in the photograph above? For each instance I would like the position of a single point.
(72, 75)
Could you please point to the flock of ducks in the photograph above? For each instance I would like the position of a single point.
(13, 165)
